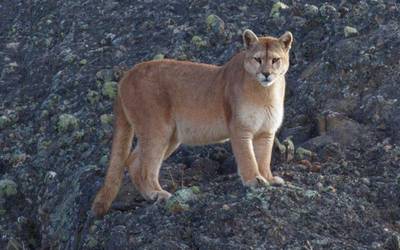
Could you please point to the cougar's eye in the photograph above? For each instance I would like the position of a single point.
(274, 60)
(258, 59)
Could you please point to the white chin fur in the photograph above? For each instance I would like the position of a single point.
(265, 81)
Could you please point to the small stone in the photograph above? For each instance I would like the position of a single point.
(4, 121)
(366, 181)
(215, 24)
(225, 207)
(78, 135)
(310, 10)
(13, 46)
(276, 8)
(198, 42)
(328, 10)
(158, 57)
(103, 160)
(350, 31)
(195, 189)
(316, 167)
(67, 122)
(329, 189)
(93, 96)
(311, 194)
(306, 163)
(319, 186)
(110, 89)
(8, 188)
(179, 201)
(106, 119)
(69, 57)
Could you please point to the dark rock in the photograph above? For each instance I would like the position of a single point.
(341, 128)
(228, 166)
(118, 238)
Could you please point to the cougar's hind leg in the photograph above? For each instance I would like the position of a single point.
(145, 168)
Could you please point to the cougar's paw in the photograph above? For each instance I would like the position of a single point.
(99, 208)
(159, 196)
(276, 181)
(258, 181)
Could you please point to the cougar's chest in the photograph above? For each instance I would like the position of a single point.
(261, 118)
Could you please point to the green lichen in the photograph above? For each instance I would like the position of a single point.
(159, 57)
(311, 10)
(93, 96)
(311, 194)
(106, 119)
(8, 188)
(179, 201)
(215, 24)
(67, 122)
(350, 31)
(303, 154)
(110, 89)
(198, 42)
(276, 8)
(4, 121)
(83, 62)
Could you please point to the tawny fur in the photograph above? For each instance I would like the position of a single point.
(171, 102)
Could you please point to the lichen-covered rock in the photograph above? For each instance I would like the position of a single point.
(276, 9)
(8, 188)
(159, 56)
(328, 11)
(198, 42)
(106, 119)
(311, 194)
(110, 89)
(215, 24)
(67, 122)
(4, 121)
(311, 10)
(181, 199)
(93, 96)
(350, 31)
(303, 154)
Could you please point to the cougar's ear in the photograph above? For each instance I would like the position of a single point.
(286, 40)
(249, 38)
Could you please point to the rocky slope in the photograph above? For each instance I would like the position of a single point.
(338, 148)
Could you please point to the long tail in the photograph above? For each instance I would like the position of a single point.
(121, 145)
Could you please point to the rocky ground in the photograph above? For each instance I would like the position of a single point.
(338, 148)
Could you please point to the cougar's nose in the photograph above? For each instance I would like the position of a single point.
(266, 74)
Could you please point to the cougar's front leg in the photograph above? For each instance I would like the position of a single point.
(244, 154)
(263, 144)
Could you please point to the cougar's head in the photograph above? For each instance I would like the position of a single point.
(266, 58)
